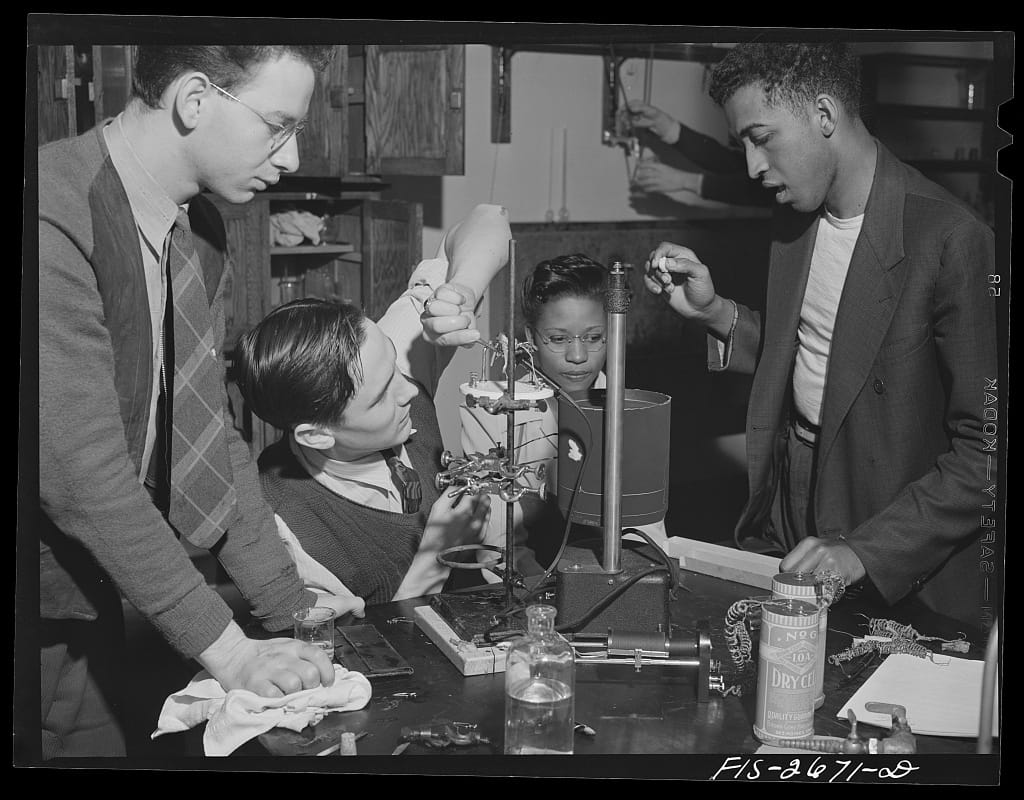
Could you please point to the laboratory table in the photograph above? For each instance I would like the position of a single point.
(654, 711)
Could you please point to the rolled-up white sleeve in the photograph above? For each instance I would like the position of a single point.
(416, 357)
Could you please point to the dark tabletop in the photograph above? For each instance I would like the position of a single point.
(655, 711)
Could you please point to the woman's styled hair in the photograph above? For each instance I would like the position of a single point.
(564, 276)
(301, 362)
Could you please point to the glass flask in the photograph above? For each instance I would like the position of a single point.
(540, 674)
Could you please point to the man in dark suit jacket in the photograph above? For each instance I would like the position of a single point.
(865, 443)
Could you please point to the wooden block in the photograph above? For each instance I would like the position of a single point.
(466, 656)
(752, 569)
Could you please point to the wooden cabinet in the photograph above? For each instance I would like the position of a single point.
(936, 113)
(78, 85)
(414, 109)
(375, 110)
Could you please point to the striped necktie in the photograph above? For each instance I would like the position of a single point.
(406, 480)
(202, 489)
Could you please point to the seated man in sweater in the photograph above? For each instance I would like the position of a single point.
(351, 482)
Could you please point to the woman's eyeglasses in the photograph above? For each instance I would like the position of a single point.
(559, 342)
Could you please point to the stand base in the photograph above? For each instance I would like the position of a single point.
(468, 658)
(582, 582)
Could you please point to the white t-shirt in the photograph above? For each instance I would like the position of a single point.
(830, 262)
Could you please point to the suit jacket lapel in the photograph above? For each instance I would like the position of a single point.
(869, 299)
(792, 246)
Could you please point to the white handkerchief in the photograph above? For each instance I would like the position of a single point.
(942, 698)
(235, 717)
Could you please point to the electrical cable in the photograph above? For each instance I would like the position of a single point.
(673, 567)
(540, 585)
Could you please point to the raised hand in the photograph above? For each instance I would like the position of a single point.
(448, 316)
(662, 125)
(656, 176)
(676, 273)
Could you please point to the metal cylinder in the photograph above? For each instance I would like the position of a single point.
(646, 433)
(787, 653)
(616, 304)
(803, 586)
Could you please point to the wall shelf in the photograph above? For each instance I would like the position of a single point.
(613, 55)
(312, 249)
(949, 165)
(926, 108)
(909, 111)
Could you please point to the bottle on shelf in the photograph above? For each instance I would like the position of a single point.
(292, 288)
(539, 689)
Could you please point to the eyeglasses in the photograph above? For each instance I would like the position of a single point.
(279, 133)
(559, 342)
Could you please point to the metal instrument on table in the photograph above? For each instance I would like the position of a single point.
(631, 596)
(653, 649)
(444, 734)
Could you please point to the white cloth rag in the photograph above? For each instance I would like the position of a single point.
(235, 717)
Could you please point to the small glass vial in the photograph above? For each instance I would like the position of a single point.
(540, 676)
(292, 288)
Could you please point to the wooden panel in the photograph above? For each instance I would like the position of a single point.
(414, 109)
(727, 563)
(55, 83)
(392, 247)
(112, 69)
(246, 298)
(322, 145)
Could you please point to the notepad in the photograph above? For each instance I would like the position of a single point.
(942, 699)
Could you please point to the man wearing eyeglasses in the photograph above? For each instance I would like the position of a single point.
(136, 448)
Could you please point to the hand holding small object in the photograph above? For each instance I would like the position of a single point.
(448, 318)
(644, 115)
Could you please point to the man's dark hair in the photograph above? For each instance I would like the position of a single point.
(793, 74)
(301, 362)
(574, 275)
(228, 66)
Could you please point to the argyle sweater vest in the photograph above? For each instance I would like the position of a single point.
(367, 549)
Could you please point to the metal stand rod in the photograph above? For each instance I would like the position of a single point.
(616, 303)
(510, 417)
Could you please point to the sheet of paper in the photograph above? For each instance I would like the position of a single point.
(942, 699)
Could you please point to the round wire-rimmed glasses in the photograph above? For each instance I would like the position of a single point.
(279, 134)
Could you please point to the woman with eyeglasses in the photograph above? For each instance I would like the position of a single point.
(563, 310)
(563, 306)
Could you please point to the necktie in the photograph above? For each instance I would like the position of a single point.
(407, 480)
(202, 495)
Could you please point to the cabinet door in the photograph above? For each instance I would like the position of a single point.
(392, 246)
(56, 93)
(323, 145)
(415, 123)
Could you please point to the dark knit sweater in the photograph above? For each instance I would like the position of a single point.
(367, 549)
